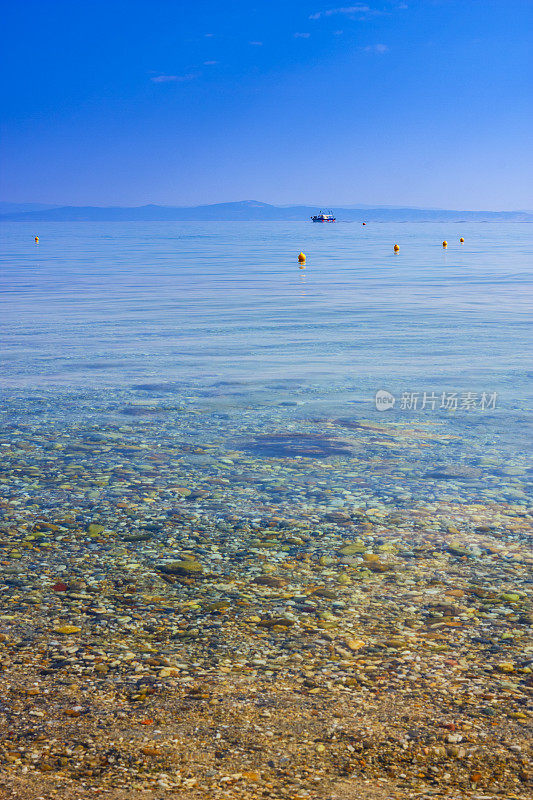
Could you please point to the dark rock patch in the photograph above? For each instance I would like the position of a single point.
(287, 445)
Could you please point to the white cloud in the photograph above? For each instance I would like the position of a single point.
(302, 35)
(172, 78)
(359, 9)
(376, 48)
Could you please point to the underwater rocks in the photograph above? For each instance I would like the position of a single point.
(298, 444)
(266, 580)
(182, 568)
(181, 616)
(454, 471)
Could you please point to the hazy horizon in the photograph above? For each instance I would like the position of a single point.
(295, 204)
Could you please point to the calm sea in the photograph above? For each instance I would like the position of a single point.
(222, 312)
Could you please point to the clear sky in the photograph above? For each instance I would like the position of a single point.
(126, 102)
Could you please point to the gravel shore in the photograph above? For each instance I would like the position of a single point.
(198, 605)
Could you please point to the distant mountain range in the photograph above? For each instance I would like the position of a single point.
(21, 208)
(244, 211)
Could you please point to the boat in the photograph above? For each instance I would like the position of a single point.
(322, 217)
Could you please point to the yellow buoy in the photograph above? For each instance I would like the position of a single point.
(396, 248)
(461, 239)
(445, 243)
(301, 258)
(37, 239)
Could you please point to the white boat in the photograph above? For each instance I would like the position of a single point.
(322, 217)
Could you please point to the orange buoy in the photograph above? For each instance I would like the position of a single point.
(364, 223)
(396, 248)
(445, 243)
(37, 240)
(461, 239)
(301, 257)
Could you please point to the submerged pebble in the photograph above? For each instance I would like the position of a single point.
(306, 611)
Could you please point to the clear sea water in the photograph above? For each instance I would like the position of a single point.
(223, 316)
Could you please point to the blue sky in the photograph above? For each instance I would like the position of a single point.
(423, 102)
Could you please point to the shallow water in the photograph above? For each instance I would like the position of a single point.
(220, 317)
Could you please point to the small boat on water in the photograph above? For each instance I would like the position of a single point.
(322, 217)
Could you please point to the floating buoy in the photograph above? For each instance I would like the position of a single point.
(445, 243)
(461, 239)
(396, 248)
(301, 258)
(37, 240)
(364, 223)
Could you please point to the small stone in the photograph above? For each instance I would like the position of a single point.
(352, 549)
(94, 529)
(148, 750)
(458, 550)
(253, 777)
(182, 568)
(67, 629)
(354, 644)
(505, 666)
(326, 593)
(344, 579)
(284, 622)
(269, 580)
(378, 566)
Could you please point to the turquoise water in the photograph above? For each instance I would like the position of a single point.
(218, 319)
